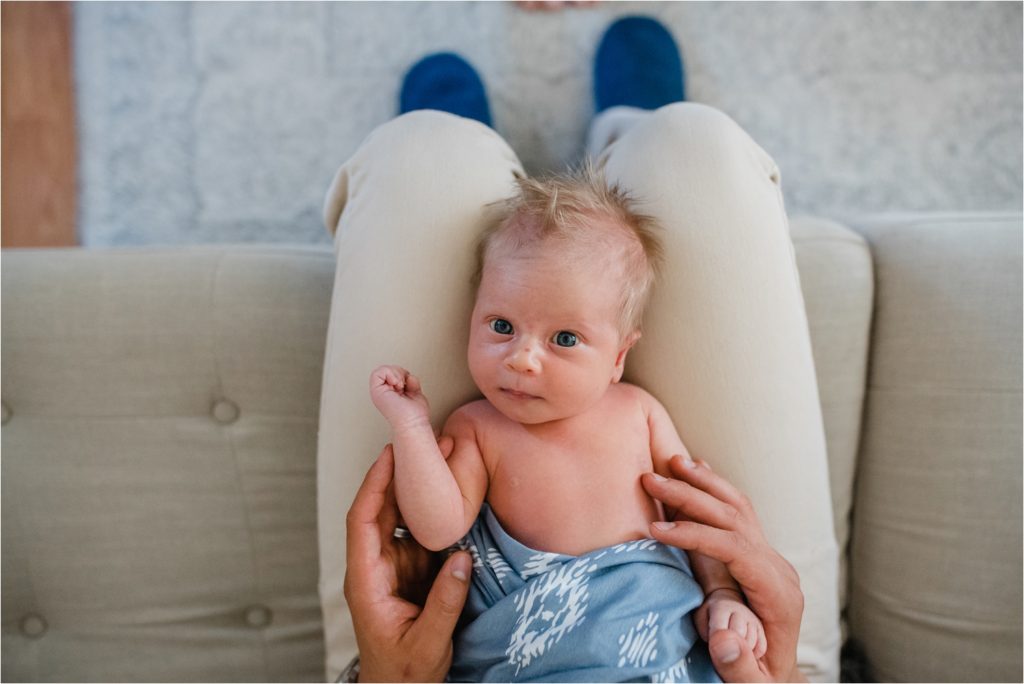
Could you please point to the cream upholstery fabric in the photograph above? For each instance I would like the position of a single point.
(936, 550)
(838, 283)
(726, 349)
(145, 527)
(160, 411)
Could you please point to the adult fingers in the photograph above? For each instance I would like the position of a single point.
(695, 504)
(733, 659)
(387, 520)
(446, 444)
(722, 545)
(389, 516)
(435, 625)
(362, 535)
(771, 586)
(702, 477)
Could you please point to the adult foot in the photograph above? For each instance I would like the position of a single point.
(446, 82)
(637, 65)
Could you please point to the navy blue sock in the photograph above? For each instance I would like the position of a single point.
(446, 82)
(637, 64)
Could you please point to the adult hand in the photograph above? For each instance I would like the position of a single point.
(717, 520)
(398, 640)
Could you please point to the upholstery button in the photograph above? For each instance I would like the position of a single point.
(258, 616)
(225, 411)
(5, 413)
(33, 626)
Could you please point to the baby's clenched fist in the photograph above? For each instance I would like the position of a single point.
(725, 609)
(398, 395)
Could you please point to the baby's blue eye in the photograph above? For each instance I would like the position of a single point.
(501, 326)
(565, 339)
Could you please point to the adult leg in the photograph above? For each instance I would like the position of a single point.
(726, 346)
(406, 210)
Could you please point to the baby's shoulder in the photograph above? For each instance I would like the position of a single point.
(627, 391)
(471, 417)
(647, 405)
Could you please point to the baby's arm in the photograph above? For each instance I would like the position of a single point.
(439, 500)
(724, 606)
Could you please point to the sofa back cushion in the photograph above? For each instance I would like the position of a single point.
(837, 281)
(159, 454)
(936, 550)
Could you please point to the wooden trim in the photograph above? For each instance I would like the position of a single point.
(38, 126)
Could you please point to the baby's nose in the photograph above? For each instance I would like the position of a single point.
(524, 359)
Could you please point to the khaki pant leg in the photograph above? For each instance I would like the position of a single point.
(726, 346)
(407, 210)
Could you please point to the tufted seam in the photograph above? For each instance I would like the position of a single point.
(228, 432)
(19, 520)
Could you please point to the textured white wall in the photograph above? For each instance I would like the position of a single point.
(222, 122)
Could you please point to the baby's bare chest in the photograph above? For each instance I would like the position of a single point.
(575, 493)
(588, 459)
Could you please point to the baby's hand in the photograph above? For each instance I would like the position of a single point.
(725, 609)
(398, 395)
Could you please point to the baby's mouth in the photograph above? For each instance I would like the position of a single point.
(516, 394)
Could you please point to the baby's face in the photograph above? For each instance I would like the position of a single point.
(544, 339)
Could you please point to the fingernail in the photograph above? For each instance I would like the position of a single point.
(659, 478)
(664, 525)
(728, 652)
(460, 567)
(689, 462)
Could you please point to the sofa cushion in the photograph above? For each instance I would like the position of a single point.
(936, 550)
(158, 473)
(837, 282)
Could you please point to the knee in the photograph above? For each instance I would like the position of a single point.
(691, 121)
(417, 152)
(693, 131)
(422, 139)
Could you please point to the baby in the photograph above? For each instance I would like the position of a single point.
(545, 471)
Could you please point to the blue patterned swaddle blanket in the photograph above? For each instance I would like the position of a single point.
(623, 613)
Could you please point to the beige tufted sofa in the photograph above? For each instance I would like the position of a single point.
(159, 449)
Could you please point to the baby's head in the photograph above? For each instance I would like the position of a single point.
(564, 274)
(576, 218)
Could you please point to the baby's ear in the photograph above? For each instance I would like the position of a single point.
(620, 361)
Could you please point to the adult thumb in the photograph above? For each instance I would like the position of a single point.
(446, 598)
(733, 658)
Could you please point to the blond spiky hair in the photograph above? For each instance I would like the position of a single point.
(567, 208)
